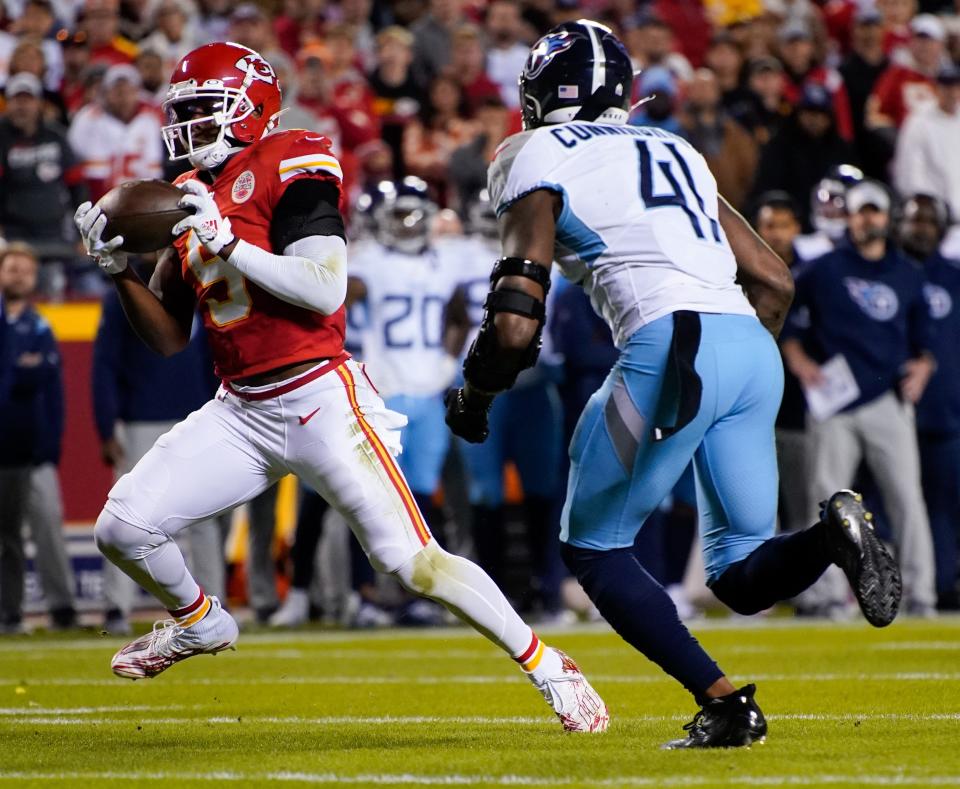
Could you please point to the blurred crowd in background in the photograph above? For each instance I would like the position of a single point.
(831, 124)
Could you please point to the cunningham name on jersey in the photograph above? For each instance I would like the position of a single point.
(639, 228)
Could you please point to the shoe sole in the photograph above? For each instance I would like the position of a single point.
(133, 672)
(870, 568)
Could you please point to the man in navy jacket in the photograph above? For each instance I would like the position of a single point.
(864, 301)
(32, 369)
(923, 224)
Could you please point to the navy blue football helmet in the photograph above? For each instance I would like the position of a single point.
(578, 71)
(403, 218)
(828, 206)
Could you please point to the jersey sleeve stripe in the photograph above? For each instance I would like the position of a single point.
(308, 164)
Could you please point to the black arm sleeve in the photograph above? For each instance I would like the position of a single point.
(309, 207)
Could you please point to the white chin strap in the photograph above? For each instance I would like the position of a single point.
(212, 156)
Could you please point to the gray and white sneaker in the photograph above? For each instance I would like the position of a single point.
(169, 643)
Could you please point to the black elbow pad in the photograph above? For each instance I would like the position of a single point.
(488, 367)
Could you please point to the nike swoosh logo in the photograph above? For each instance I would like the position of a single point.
(308, 417)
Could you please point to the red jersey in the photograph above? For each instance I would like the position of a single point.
(899, 90)
(252, 331)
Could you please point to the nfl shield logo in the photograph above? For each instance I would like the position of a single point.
(243, 187)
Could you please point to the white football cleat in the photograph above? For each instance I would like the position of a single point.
(295, 610)
(169, 643)
(578, 706)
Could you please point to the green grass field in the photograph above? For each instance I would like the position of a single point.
(847, 706)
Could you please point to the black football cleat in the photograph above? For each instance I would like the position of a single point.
(732, 721)
(872, 571)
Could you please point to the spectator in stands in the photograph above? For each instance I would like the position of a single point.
(689, 22)
(354, 15)
(765, 107)
(864, 302)
(506, 53)
(728, 148)
(804, 149)
(659, 89)
(137, 397)
(903, 87)
(117, 139)
(250, 26)
(469, 163)
(724, 58)
(154, 75)
(650, 42)
(398, 97)
(776, 220)
(343, 112)
(924, 221)
(897, 16)
(35, 374)
(860, 71)
(297, 23)
(433, 37)
(100, 21)
(36, 24)
(40, 179)
(76, 63)
(173, 34)
(213, 22)
(926, 157)
(44, 510)
(467, 65)
(798, 53)
(441, 128)
(28, 58)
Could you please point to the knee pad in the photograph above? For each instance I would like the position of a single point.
(117, 538)
(427, 569)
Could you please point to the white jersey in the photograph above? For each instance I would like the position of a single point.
(407, 297)
(639, 229)
(477, 256)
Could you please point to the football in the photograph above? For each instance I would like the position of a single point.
(143, 212)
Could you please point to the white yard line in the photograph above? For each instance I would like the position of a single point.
(481, 679)
(411, 779)
(72, 717)
(35, 711)
(730, 625)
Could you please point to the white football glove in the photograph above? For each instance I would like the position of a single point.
(211, 228)
(91, 221)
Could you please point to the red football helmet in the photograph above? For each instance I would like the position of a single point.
(222, 96)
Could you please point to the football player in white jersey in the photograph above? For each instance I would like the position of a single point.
(407, 285)
(633, 215)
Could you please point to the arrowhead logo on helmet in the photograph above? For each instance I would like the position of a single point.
(257, 68)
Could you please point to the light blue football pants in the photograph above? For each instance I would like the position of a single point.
(619, 474)
(425, 439)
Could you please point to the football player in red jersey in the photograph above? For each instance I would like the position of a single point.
(263, 258)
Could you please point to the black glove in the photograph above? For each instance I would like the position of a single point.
(467, 415)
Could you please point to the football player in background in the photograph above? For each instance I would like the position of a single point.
(699, 377)
(263, 256)
(410, 344)
(526, 427)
